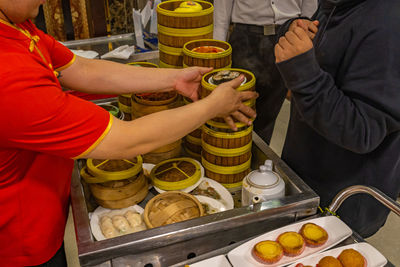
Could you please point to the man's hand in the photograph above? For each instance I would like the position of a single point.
(310, 27)
(294, 43)
(188, 80)
(229, 103)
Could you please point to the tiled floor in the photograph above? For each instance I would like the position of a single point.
(387, 240)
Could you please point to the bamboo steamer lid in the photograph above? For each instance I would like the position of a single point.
(112, 170)
(176, 174)
(171, 207)
(156, 99)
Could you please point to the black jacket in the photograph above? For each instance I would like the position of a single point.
(345, 115)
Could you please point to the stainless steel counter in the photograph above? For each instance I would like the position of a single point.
(174, 243)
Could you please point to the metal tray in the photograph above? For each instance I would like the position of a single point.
(177, 242)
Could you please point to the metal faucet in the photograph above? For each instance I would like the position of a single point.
(356, 189)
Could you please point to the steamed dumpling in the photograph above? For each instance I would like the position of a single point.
(107, 227)
(121, 224)
(134, 219)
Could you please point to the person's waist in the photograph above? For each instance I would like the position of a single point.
(269, 29)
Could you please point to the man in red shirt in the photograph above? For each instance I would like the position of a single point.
(44, 128)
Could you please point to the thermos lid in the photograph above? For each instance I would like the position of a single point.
(264, 177)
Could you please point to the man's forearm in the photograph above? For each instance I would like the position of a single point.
(103, 76)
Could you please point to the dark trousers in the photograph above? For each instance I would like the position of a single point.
(58, 260)
(253, 51)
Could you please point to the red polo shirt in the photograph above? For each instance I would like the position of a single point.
(42, 129)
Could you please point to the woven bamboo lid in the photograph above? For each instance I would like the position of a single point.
(176, 174)
(171, 207)
(114, 169)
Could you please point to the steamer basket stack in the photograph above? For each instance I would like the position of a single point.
(175, 29)
(124, 100)
(226, 155)
(193, 56)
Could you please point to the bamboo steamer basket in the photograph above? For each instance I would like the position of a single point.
(175, 29)
(167, 17)
(207, 88)
(124, 100)
(192, 142)
(142, 107)
(176, 174)
(215, 60)
(116, 184)
(226, 156)
(171, 207)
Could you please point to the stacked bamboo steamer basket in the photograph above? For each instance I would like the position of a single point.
(171, 207)
(175, 29)
(196, 54)
(144, 104)
(116, 184)
(124, 100)
(226, 155)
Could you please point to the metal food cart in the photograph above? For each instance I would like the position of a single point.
(198, 238)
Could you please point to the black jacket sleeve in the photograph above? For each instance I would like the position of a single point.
(360, 105)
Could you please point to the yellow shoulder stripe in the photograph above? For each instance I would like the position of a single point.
(98, 140)
(67, 65)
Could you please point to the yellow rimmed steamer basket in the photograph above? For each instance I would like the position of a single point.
(124, 100)
(175, 29)
(207, 88)
(171, 207)
(226, 155)
(217, 60)
(144, 106)
(116, 184)
(176, 174)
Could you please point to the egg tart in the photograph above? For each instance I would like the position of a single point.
(267, 251)
(292, 243)
(352, 258)
(314, 235)
(329, 261)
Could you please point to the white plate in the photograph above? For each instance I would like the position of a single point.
(214, 204)
(373, 257)
(100, 211)
(336, 229)
(226, 197)
(217, 261)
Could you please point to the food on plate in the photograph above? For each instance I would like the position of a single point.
(121, 224)
(107, 227)
(302, 265)
(292, 243)
(314, 235)
(352, 258)
(208, 49)
(224, 76)
(157, 96)
(205, 189)
(267, 251)
(329, 261)
(192, 4)
(134, 218)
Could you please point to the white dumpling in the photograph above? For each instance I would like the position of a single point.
(107, 227)
(134, 218)
(121, 224)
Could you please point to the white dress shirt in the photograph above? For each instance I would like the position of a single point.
(258, 12)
